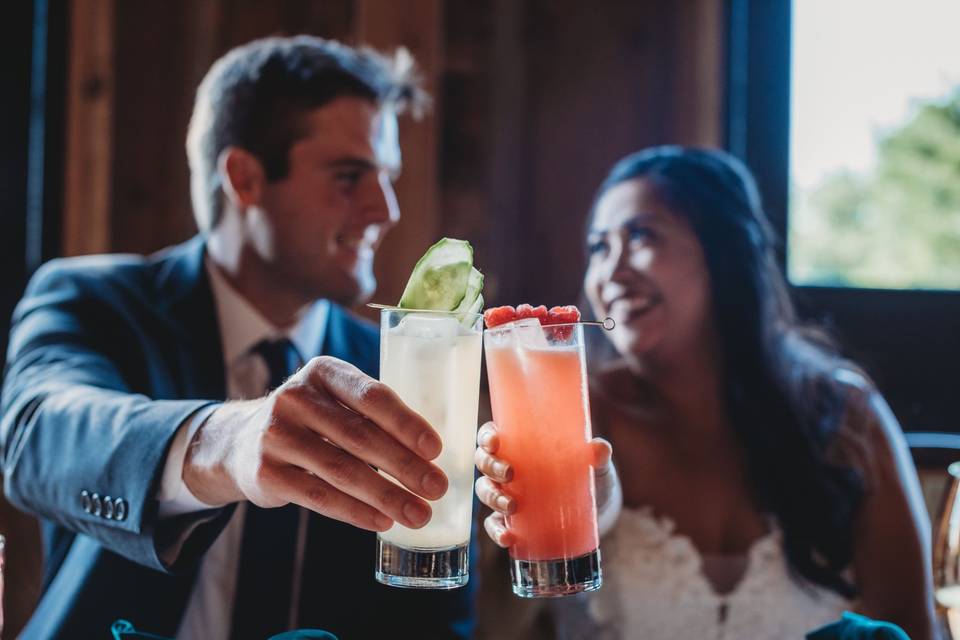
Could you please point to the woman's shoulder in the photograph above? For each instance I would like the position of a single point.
(616, 393)
(868, 436)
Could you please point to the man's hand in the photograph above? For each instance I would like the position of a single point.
(313, 442)
(497, 472)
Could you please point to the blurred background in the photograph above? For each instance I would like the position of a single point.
(848, 114)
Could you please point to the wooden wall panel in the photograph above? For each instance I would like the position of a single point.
(150, 189)
(602, 84)
(90, 107)
(542, 97)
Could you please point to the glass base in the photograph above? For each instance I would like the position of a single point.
(555, 578)
(422, 568)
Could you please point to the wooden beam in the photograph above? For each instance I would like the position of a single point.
(709, 62)
(416, 25)
(90, 94)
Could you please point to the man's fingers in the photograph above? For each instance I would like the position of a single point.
(496, 528)
(601, 452)
(490, 494)
(378, 402)
(493, 467)
(304, 448)
(320, 496)
(487, 438)
(365, 440)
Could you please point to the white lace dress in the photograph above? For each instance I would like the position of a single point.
(655, 588)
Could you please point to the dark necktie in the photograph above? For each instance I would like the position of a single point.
(265, 577)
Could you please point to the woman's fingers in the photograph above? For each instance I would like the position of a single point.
(490, 494)
(487, 438)
(600, 453)
(496, 528)
(495, 468)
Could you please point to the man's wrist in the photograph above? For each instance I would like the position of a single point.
(205, 469)
(173, 496)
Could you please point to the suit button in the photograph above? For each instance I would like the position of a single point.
(108, 507)
(120, 509)
(97, 504)
(85, 501)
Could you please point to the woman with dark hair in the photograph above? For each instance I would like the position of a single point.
(766, 485)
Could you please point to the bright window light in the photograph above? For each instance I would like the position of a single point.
(875, 144)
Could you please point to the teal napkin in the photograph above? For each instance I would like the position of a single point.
(853, 626)
(124, 630)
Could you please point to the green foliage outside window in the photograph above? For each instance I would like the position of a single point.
(898, 227)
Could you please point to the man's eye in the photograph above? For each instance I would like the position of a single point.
(348, 178)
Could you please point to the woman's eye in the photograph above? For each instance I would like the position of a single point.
(597, 247)
(641, 234)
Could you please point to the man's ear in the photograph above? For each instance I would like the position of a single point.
(242, 176)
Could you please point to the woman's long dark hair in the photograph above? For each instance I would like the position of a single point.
(778, 376)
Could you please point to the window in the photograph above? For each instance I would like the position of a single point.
(874, 182)
(900, 323)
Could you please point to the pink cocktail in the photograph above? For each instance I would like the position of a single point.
(538, 391)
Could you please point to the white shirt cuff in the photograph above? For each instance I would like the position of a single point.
(175, 498)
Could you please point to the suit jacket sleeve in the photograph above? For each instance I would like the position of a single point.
(70, 422)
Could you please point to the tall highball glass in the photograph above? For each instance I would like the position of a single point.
(538, 389)
(432, 361)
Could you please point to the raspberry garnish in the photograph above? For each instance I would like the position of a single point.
(563, 315)
(499, 315)
(527, 311)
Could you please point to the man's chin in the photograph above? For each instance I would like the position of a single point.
(351, 293)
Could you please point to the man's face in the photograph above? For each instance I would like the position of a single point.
(317, 229)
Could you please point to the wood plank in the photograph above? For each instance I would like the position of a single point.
(509, 150)
(90, 96)
(709, 68)
(156, 47)
(697, 44)
(416, 25)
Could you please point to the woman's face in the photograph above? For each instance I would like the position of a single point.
(647, 271)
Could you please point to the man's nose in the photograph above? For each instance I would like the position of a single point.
(381, 205)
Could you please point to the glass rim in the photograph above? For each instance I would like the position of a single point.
(506, 327)
(384, 308)
(954, 469)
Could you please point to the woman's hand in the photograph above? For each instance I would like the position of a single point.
(497, 472)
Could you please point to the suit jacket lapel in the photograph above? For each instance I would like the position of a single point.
(185, 288)
(353, 340)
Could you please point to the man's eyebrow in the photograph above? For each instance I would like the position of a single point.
(351, 163)
(362, 164)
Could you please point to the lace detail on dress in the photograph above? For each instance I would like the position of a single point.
(654, 588)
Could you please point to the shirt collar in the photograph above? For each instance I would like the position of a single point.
(242, 325)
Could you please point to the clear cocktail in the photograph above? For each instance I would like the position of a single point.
(538, 391)
(432, 361)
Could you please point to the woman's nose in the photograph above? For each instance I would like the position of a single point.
(618, 261)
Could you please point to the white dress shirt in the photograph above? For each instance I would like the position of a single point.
(210, 608)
